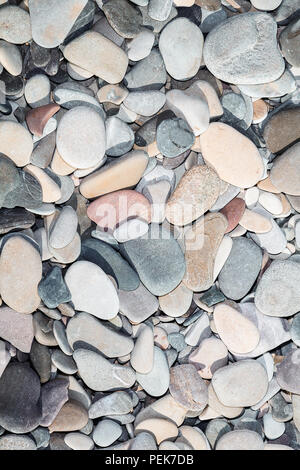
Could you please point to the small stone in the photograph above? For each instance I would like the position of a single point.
(272, 428)
(148, 73)
(209, 356)
(219, 408)
(162, 429)
(78, 152)
(54, 396)
(99, 374)
(10, 58)
(277, 292)
(37, 90)
(255, 222)
(16, 442)
(265, 62)
(17, 328)
(109, 63)
(241, 439)
(41, 360)
(15, 24)
(174, 136)
(145, 103)
(196, 193)
(18, 257)
(15, 142)
(285, 171)
(289, 42)
(86, 329)
(238, 333)
(142, 355)
(140, 47)
(240, 269)
(273, 241)
(225, 157)
(41, 437)
(78, 441)
(59, 332)
(52, 289)
(288, 372)
(37, 118)
(181, 44)
(138, 305)
(71, 417)
(50, 190)
(63, 362)
(112, 94)
(156, 382)
(177, 302)
(281, 130)
(188, 388)
(116, 403)
(106, 432)
(84, 280)
(125, 172)
(119, 137)
(233, 212)
(124, 18)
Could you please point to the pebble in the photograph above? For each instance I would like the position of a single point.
(147, 74)
(226, 159)
(162, 429)
(242, 383)
(16, 442)
(71, 417)
(258, 59)
(281, 129)
(15, 25)
(99, 374)
(64, 228)
(285, 171)
(177, 302)
(156, 382)
(137, 305)
(119, 137)
(86, 329)
(272, 428)
(140, 47)
(106, 432)
(174, 137)
(289, 43)
(196, 193)
(116, 403)
(233, 212)
(142, 355)
(244, 274)
(209, 356)
(255, 222)
(188, 388)
(181, 44)
(242, 439)
(54, 395)
(288, 372)
(276, 293)
(78, 441)
(20, 151)
(17, 328)
(83, 279)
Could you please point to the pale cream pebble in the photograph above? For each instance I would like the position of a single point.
(222, 255)
(238, 231)
(260, 111)
(51, 191)
(271, 202)
(196, 147)
(220, 409)
(161, 337)
(209, 413)
(59, 166)
(162, 429)
(255, 222)
(177, 302)
(286, 206)
(214, 105)
(267, 185)
(195, 437)
(112, 94)
(251, 197)
(291, 248)
(170, 408)
(75, 180)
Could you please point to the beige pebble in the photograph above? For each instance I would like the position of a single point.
(112, 94)
(214, 105)
(226, 411)
(267, 185)
(162, 429)
(195, 437)
(271, 202)
(209, 356)
(255, 222)
(177, 302)
(260, 111)
(59, 166)
(15, 142)
(251, 197)
(51, 191)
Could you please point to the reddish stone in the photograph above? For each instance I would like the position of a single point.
(37, 118)
(233, 212)
(111, 209)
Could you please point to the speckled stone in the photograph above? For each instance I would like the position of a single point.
(17, 328)
(188, 388)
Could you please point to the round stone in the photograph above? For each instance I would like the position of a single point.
(116, 403)
(188, 388)
(20, 273)
(181, 44)
(15, 142)
(15, 24)
(91, 290)
(37, 90)
(285, 171)
(282, 129)
(174, 136)
(106, 433)
(241, 383)
(64, 228)
(71, 417)
(137, 305)
(145, 103)
(196, 193)
(277, 291)
(241, 439)
(240, 269)
(233, 156)
(80, 137)
(258, 59)
(78, 441)
(123, 17)
(177, 302)
(10, 58)
(233, 212)
(238, 333)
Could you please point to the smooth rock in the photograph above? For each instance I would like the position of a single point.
(174, 136)
(119, 137)
(156, 382)
(233, 212)
(106, 432)
(138, 305)
(78, 441)
(177, 302)
(282, 129)
(10, 58)
(209, 356)
(288, 372)
(289, 42)
(64, 228)
(71, 417)
(142, 355)
(15, 142)
(147, 74)
(255, 222)
(37, 90)
(54, 396)
(15, 24)
(17, 328)
(16, 442)
(286, 170)
(140, 47)
(145, 103)
(123, 17)
(188, 388)
(241, 439)
(116, 403)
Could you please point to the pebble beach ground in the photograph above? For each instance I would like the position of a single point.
(150, 225)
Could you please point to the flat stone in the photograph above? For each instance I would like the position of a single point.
(69, 253)
(16, 442)
(145, 103)
(16, 142)
(15, 24)
(125, 172)
(144, 441)
(219, 408)
(138, 305)
(18, 257)
(201, 243)
(84, 329)
(140, 47)
(54, 396)
(119, 137)
(98, 55)
(241, 439)
(277, 293)
(288, 372)
(188, 388)
(112, 263)
(174, 136)
(255, 222)
(209, 356)
(142, 355)
(112, 94)
(9, 177)
(282, 129)
(43, 151)
(130, 229)
(64, 363)
(37, 118)
(17, 328)
(273, 241)
(285, 171)
(238, 333)
(123, 17)
(272, 428)
(91, 290)
(71, 417)
(71, 94)
(41, 361)
(157, 258)
(106, 432)
(86, 147)
(197, 331)
(52, 21)
(10, 58)
(177, 302)
(50, 189)
(37, 90)
(148, 73)
(64, 228)
(271, 202)
(156, 382)
(59, 332)
(225, 157)
(112, 209)
(99, 374)
(52, 289)
(196, 193)
(233, 212)
(181, 44)
(78, 441)
(116, 403)
(20, 411)
(156, 25)
(240, 269)
(161, 428)
(241, 383)
(256, 35)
